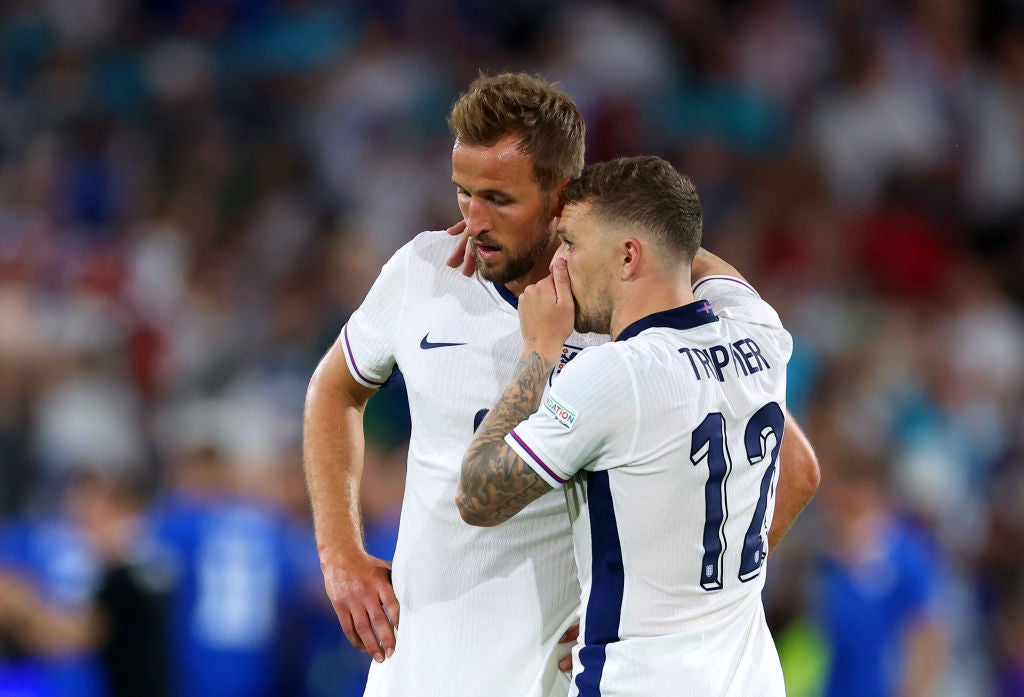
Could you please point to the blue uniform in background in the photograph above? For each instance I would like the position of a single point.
(864, 611)
(232, 620)
(57, 560)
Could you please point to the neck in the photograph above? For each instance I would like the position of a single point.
(642, 297)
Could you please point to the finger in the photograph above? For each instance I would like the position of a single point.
(350, 633)
(468, 260)
(560, 276)
(458, 228)
(363, 625)
(391, 606)
(571, 634)
(456, 258)
(565, 663)
(385, 632)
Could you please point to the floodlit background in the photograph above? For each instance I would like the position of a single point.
(194, 195)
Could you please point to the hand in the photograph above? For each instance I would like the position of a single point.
(363, 598)
(570, 636)
(547, 313)
(19, 602)
(462, 255)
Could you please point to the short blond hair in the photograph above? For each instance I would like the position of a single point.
(550, 128)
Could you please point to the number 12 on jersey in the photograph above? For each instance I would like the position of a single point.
(709, 444)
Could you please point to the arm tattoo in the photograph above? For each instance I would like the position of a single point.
(496, 483)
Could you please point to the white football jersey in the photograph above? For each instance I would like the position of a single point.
(482, 609)
(669, 440)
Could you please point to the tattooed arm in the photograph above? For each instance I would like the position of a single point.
(496, 483)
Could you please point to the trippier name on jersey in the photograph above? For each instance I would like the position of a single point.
(745, 356)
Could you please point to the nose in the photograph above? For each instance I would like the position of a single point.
(560, 253)
(475, 213)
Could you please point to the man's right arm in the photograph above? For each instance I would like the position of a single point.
(358, 584)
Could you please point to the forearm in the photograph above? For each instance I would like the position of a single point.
(707, 264)
(333, 450)
(799, 477)
(927, 649)
(493, 487)
(42, 629)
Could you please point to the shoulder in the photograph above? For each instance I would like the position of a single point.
(733, 299)
(432, 247)
(421, 262)
(730, 294)
(595, 369)
(416, 265)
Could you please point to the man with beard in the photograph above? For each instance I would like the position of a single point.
(482, 611)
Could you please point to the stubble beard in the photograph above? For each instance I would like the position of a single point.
(593, 322)
(521, 265)
(597, 316)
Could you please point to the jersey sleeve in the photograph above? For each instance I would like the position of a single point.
(734, 298)
(367, 336)
(585, 419)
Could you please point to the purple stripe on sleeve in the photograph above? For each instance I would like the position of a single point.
(560, 480)
(352, 360)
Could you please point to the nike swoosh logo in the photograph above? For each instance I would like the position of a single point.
(424, 344)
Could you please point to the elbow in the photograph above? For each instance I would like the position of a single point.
(812, 474)
(473, 514)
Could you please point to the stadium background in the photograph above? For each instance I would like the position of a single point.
(195, 194)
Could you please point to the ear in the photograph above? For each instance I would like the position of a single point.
(556, 197)
(632, 255)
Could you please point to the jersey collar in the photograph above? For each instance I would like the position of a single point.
(686, 317)
(506, 295)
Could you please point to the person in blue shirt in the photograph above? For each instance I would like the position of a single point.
(48, 576)
(232, 610)
(878, 592)
(86, 591)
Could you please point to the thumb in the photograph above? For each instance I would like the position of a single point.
(560, 275)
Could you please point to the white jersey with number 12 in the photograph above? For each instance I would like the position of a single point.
(668, 440)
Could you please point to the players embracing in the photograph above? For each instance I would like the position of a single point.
(465, 610)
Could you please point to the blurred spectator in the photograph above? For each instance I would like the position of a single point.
(878, 592)
(231, 608)
(124, 621)
(81, 595)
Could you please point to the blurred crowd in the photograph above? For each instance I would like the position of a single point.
(194, 195)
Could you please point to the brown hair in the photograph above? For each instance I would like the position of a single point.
(645, 192)
(546, 120)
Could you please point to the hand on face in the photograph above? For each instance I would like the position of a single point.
(547, 312)
(462, 256)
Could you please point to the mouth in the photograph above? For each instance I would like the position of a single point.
(486, 252)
